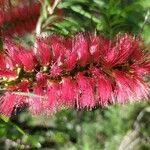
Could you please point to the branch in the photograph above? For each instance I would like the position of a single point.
(132, 138)
(52, 8)
(145, 20)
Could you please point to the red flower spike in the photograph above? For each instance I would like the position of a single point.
(68, 92)
(55, 70)
(41, 79)
(141, 89)
(3, 61)
(7, 103)
(123, 90)
(85, 91)
(71, 55)
(56, 43)
(22, 27)
(71, 61)
(81, 71)
(43, 52)
(142, 69)
(8, 73)
(23, 86)
(6, 62)
(137, 53)
(103, 87)
(111, 57)
(105, 46)
(82, 49)
(21, 18)
(53, 97)
(20, 13)
(13, 51)
(124, 45)
(27, 60)
(95, 48)
(36, 103)
(130, 87)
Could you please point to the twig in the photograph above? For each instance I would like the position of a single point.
(52, 8)
(41, 19)
(132, 137)
(145, 20)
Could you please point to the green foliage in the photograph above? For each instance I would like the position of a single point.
(107, 17)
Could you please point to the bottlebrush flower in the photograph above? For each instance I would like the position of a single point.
(95, 48)
(7, 103)
(35, 103)
(53, 97)
(85, 91)
(141, 69)
(21, 27)
(70, 54)
(20, 18)
(8, 73)
(12, 51)
(84, 71)
(130, 87)
(27, 59)
(41, 79)
(55, 70)
(44, 52)
(19, 55)
(23, 86)
(82, 49)
(57, 46)
(103, 86)
(3, 61)
(68, 92)
(19, 12)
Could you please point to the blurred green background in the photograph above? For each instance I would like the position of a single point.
(117, 127)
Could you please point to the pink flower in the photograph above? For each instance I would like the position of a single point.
(7, 103)
(23, 17)
(55, 70)
(13, 51)
(84, 71)
(6, 62)
(53, 96)
(68, 92)
(70, 54)
(124, 87)
(103, 87)
(43, 52)
(41, 79)
(36, 102)
(130, 87)
(8, 73)
(141, 69)
(85, 91)
(27, 60)
(21, 27)
(95, 48)
(82, 48)
(3, 61)
(23, 86)
(57, 46)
